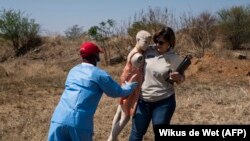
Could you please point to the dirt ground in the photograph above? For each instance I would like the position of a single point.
(216, 91)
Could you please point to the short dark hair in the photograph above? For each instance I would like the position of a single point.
(168, 35)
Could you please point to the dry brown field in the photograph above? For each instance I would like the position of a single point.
(216, 91)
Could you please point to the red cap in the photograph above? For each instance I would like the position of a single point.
(89, 48)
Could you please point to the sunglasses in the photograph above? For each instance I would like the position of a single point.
(160, 42)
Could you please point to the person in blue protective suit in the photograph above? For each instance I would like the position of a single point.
(72, 119)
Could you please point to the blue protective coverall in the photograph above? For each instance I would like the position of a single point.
(73, 116)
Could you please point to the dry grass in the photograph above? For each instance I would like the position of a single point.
(216, 91)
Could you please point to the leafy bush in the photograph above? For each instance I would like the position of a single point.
(20, 30)
(103, 34)
(235, 25)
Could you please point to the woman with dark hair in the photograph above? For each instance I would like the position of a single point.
(157, 100)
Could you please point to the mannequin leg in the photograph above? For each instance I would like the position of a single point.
(119, 122)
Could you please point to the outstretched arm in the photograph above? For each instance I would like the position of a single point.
(113, 89)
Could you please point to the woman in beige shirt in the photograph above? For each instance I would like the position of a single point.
(157, 102)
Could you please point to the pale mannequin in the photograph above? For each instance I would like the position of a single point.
(135, 61)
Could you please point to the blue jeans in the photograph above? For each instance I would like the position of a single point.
(159, 112)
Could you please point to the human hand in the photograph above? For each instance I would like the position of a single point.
(133, 85)
(176, 77)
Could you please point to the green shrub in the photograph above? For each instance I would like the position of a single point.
(20, 30)
(235, 25)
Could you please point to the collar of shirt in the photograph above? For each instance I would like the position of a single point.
(88, 64)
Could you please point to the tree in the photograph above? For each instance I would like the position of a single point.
(202, 30)
(235, 25)
(74, 32)
(101, 34)
(20, 30)
(152, 20)
(94, 33)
